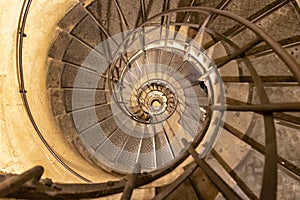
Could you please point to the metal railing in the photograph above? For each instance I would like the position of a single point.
(48, 189)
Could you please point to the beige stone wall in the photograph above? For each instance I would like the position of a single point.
(20, 147)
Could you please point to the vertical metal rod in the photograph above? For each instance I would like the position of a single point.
(143, 8)
(200, 31)
(131, 183)
(168, 18)
(269, 183)
(154, 152)
(188, 14)
(165, 8)
(123, 18)
(226, 190)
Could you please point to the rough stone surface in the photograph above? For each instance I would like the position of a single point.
(282, 23)
(184, 192)
(250, 170)
(105, 12)
(201, 182)
(57, 100)
(288, 144)
(54, 75)
(72, 18)
(88, 31)
(283, 94)
(76, 53)
(270, 65)
(280, 94)
(67, 125)
(86, 80)
(222, 24)
(58, 48)
(288, 187)
(229, 145)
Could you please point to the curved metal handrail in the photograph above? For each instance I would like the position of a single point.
(143, 179)
(286, 58)
(20, 36)
(146, 178)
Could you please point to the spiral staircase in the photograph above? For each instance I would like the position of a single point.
(150, 99)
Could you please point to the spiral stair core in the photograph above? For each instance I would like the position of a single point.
(150, 99)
